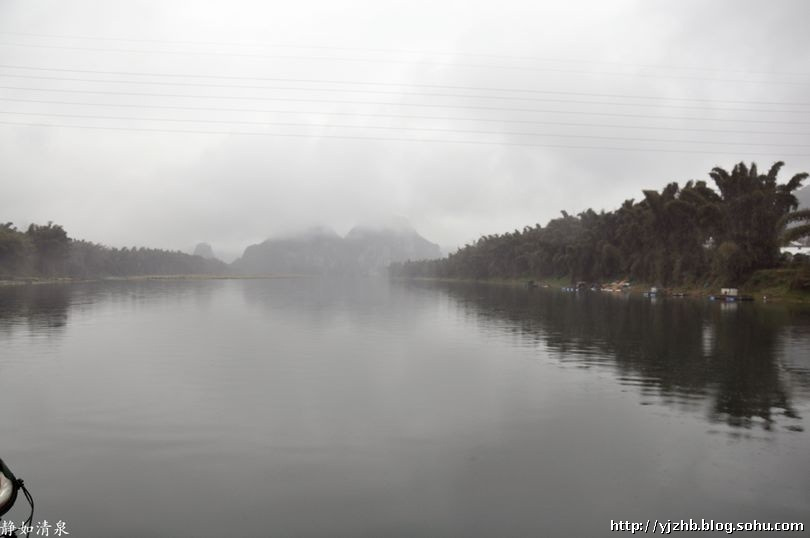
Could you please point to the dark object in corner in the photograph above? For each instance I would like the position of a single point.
(8, 488)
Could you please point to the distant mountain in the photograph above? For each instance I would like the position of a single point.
(366, 249)
(803, 195)
(204, 250)
(375, 248)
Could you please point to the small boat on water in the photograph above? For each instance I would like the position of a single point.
(580, 286)
(654, 292)
(731, 299)
(730, 295)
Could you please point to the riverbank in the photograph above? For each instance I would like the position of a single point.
(32, 281)
(769, 285)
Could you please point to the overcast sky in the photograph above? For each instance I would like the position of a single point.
(450, 114)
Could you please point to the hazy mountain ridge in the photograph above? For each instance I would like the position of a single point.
(803, 196)
(204, 250)
(365, 250)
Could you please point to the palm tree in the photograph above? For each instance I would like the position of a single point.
(752, 208)
(795, 233)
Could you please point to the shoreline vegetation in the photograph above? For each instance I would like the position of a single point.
(693, 239)
(46, 252)
(764, 286)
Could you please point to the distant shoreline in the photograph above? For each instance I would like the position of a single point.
(765, 286)
(768, 286)
(32, 281)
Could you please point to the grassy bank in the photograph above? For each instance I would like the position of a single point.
(789, 284)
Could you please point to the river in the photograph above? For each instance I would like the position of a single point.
(365, 407)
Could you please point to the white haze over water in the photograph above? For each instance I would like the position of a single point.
(345, 82)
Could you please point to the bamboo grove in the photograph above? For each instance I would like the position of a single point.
(680, 235)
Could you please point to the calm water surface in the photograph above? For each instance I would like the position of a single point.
(306, 407)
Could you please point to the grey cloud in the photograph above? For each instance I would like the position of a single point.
(172, 190)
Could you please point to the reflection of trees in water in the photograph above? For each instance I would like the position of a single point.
(46, 306)
(686, 351)
(750, 380)
(42, 307)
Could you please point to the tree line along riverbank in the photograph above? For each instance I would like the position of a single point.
(693, 236)
(45, 253)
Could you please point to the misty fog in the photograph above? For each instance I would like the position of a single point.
(167, 123)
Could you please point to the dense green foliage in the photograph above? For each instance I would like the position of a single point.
(47, 251)
(676, 236)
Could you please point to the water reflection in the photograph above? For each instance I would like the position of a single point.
(748, 365)
(745, 365)
(362, 407)
(43, 308)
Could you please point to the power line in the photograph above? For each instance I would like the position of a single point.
(376, 138)
(400, 128)
(389, 103)
(404, 62)
(398, 116)
(397, 51)
(409, 94)
(395, 84)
